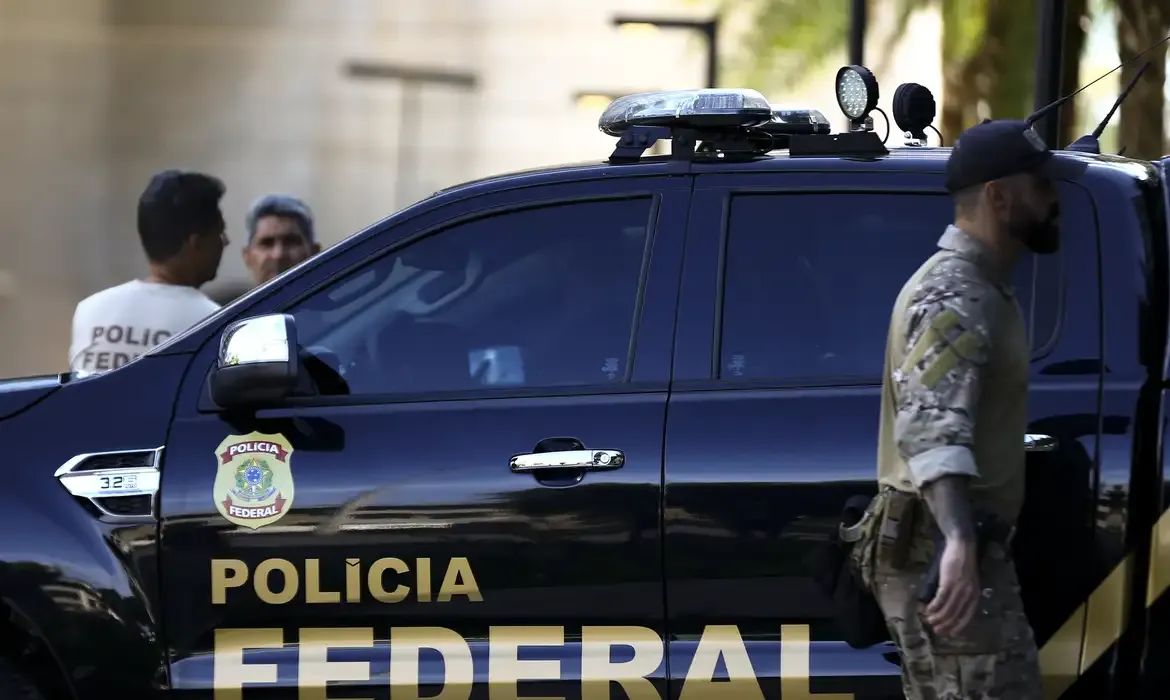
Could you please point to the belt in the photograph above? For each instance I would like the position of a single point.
(852, 533)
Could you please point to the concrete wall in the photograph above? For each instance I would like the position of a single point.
(53, 185)
(96, 95)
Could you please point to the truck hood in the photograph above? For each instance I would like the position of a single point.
(19, 393)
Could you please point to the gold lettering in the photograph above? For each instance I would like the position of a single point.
(374, 580)
(313, 592)
(717, 641)
(597, 671)
(225, 574)
(315, 670)
(353, 580)
(405, 646)
(423, 579)
(291, 581)
(794, 665)
(230, 673)
(459, 581)
(505, 668)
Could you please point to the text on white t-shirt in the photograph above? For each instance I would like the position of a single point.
(118, 324)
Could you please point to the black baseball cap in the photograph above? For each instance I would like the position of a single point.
(1003, 147)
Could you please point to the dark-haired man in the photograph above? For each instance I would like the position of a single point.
(280, 235)
(954, 413)
(182, 231)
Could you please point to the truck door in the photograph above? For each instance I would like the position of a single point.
(787, 291)
(300, 542)
(1133, 493)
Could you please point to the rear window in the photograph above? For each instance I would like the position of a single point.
(809, 281)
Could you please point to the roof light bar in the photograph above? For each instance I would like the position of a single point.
(699, 109)
(798, 121)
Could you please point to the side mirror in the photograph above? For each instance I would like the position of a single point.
(257, 362)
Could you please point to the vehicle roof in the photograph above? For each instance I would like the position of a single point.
(924, 159)
(928, 159)
(1116, 169)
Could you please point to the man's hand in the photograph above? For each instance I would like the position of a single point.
(958, 595)
(958, 572)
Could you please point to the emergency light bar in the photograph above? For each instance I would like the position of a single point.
(733, 123)
(698, 109)
(798, 121)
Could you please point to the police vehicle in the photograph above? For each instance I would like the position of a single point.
(579, 433)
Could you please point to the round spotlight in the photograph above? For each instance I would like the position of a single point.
(914, 109)
(857, 92)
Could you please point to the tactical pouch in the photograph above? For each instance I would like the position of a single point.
(864, 536)
(922, 547)
(897, 529)
(839, 570)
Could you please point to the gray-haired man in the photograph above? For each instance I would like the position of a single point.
(280, 235)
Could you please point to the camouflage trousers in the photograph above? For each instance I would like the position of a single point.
(994, 658)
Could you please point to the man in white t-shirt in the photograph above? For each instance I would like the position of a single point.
(183, 235)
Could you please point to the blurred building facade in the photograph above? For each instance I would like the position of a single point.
(96, 95)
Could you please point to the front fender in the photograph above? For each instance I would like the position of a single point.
(81, 585)
(87, 582)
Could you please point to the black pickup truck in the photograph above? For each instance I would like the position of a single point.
(579, 433)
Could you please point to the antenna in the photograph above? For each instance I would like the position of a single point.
(1089, 142)
(1056, 105)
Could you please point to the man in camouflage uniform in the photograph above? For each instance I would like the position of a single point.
(953, 419)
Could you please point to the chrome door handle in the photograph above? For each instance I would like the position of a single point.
(1034, 442)
(568, 459)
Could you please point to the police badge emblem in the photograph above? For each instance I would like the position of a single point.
(254, 484)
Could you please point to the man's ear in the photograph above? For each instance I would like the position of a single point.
(193, 243)
(997, 193)
(315, 248)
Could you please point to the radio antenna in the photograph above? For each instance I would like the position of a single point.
(1043, 111)
(1089, 143)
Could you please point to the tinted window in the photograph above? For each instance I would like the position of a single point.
(810, 280)
(530, 298)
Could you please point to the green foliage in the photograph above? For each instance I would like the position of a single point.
(1010, 56)
(786, 39)
(987, 48)
(964, 28)
(903, 12)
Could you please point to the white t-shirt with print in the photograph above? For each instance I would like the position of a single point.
(118, 324)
